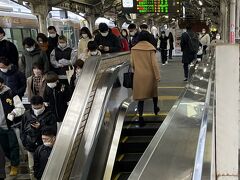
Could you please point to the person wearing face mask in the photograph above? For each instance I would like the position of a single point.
(133, 32)
(52, 38)
(56, 95)
(216, 40)
(123, 41)
(8, 49)
(36, 83)
(62, 57)
(11, 107)
(77, 73)
(13, 78)
(32, 54)
(86, 36)
(34, 121)
(43, 152)
(93, 49)
(107, 42)
(204, 40)
(163, 39)
(42, 41)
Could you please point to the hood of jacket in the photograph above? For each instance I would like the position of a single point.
(5, 89)
(144, 46)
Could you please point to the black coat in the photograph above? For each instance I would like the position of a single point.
(41, 156)
(9, 50)
(57, 98)
(15, 80)
(163, 42)
(171, 40)
(2, 163)
(133, 40)
(52, 43)
(31, 137)
(188, 55)
(110, 40)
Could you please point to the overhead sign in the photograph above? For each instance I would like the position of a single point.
(152, 6)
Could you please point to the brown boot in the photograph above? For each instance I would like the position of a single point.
(14, 171)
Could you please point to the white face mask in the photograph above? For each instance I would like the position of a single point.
(30, 49)
(94, 53)
(38, 112)
(163, 35)
(203, 32)
(53, 35)
(218, 37)
(132, 33)
(84, 36)
(62, 45)
(104, 34)
(52, 85)
(48, 144)
(4, 70)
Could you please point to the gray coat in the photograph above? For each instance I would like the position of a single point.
(2, 163)
(29, 58)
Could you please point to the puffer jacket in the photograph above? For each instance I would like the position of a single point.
(29, 58)
(15, 80)
(31, 137)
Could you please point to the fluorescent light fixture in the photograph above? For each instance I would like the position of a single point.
(166, 16)
(82, 14)
(200, 3)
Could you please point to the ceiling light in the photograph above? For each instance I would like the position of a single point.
(200, 3)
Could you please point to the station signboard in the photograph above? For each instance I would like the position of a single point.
(152, 6)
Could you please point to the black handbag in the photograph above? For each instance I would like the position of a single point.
(128, 79)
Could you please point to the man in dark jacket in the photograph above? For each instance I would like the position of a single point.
(8, 49)
(52, 39)
(10, 108)
(43, 152)
(31, 55)
(153, 41)
(13, 78)
(163, 47)
(133, 32)
(2, 164)
(33, 122)
(188, 55)
(107, 42)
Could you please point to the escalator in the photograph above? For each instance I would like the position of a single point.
(133, 142)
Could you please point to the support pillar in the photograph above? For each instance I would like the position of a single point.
(223, 20)
(232, 21)
(203, 14)
(91, 20)
(238, 20)
(41, 11)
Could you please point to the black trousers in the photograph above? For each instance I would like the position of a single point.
(170, 54)
(141, 105)
(164, 55)
(186, 69)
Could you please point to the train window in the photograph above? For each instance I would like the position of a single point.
(34, 33)
(8, 34)
(26, 33)
(17, 38)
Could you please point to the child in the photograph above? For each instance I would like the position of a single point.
(77, 73)
(43, 152)
(93, 49)
(10, 108)
(57, 96)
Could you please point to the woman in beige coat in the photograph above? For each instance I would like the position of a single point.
(146, 73)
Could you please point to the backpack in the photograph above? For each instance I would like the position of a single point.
(193, 43)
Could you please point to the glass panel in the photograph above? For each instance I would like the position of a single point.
(17, 38)
(8, 34)
(26, 33)
(34, 33)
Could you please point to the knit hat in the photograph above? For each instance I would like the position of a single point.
(2, 31)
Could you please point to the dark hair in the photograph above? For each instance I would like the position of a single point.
(95, 32)
(87, 31)
(144, 36)
(42, 36)
(125, 31)
(4, 61)
(36, 100)
(49, 131)
(51, 28)
(29, 41)
(143, 26)
(51, 77)
(92, 46)
(62, 37)
(162, 32)
(2, 31)
(132, 26)
(188, 26)
(103, 27)
(1, 80)
(38, 66)
(79, 63)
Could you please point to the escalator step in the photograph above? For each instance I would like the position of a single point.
(135, 130)
(147, 119)
(136, 139)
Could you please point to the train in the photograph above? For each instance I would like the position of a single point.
(19, 25)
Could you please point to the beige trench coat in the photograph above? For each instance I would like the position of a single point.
(146, 71)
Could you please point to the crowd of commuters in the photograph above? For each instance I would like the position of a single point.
(41, 75)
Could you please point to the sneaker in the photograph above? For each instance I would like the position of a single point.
(185, 79)
(14, 171)
(164, 64)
